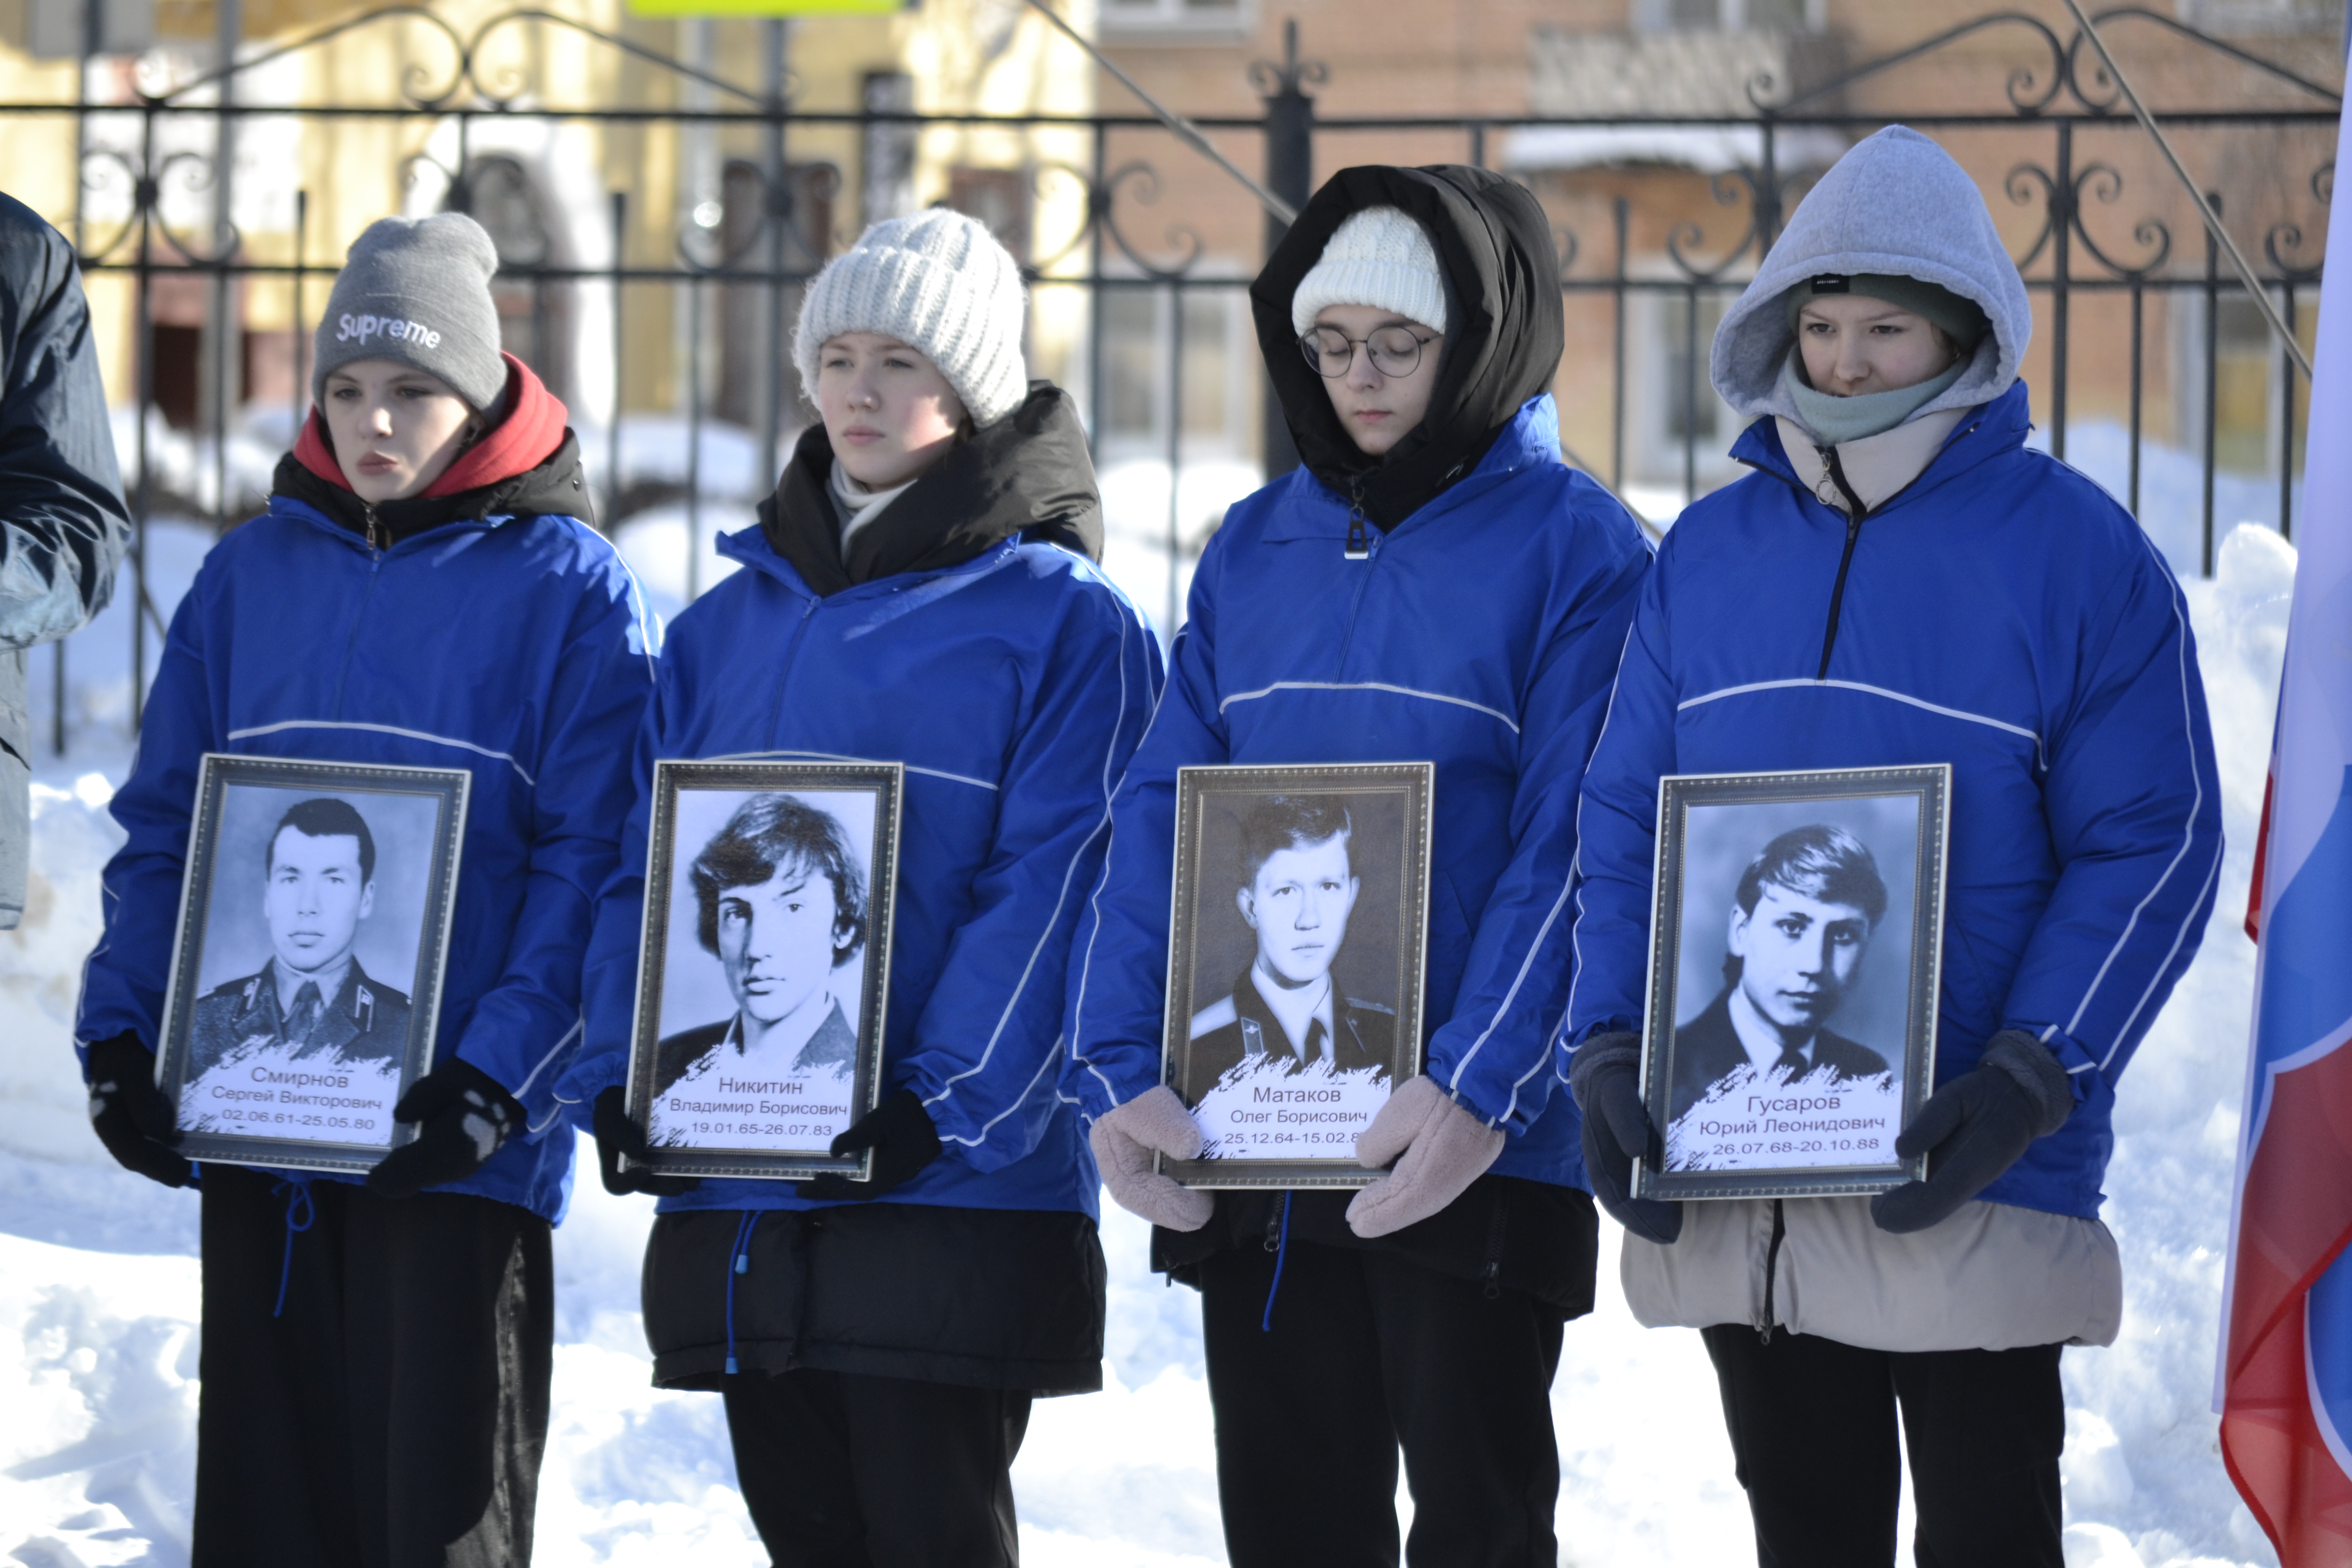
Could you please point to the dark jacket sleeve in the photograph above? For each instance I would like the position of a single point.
(63, 524)
(124, 982)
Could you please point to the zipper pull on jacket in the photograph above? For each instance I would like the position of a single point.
(1359, 544)
(1856, 512)
(370, 527)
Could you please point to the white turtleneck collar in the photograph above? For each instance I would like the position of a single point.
(858, 505)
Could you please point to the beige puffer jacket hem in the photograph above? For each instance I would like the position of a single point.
(1993, 1277)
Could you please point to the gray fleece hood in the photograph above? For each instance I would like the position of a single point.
(1896, 203)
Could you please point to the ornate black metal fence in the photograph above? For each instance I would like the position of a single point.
(2101, 235)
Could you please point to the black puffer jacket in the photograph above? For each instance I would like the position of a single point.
(984, 1297)
(1027, 474)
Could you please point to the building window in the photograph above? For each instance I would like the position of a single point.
(1693, 410)
(2244, 18)
(889, 178)
(534, 314)
(1673, 409)
(1729, 15)
(2248, 379)
(1138, 339)
(1133, 383)
(1001, 199)
(1147, 18)
(800, 242)
(2242, 362)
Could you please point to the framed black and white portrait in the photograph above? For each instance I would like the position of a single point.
(1296, 949)
(764, 965)
(306, 974)
(1795, 941)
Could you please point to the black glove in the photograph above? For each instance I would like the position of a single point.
(1606, 1079)
(466, 1114)
(1974, 1128)
(904, 1140)
(617, 1135)
(132, 1116)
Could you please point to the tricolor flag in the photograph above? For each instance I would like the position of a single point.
(2286, 1334)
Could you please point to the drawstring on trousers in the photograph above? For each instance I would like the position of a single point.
(1281, 1252)
(738, 1261)
(298, 1201)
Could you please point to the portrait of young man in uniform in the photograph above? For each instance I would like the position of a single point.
(779, 900)
(1296, 889)
(312, 999)
(1800, 923)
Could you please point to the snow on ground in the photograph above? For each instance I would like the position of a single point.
(99, 1284)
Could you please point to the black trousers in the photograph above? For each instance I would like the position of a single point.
(394, 1411)
(1812, 1428)
(842, 1471)
(1370, 1351)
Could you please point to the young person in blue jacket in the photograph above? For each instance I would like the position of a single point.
(1433, 583)
(1901, 581)
(922, 588)
(422, 592)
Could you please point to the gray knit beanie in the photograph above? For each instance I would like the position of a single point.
(940, 283)
(417, 290)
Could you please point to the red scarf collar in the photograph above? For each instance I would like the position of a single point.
(526, 437)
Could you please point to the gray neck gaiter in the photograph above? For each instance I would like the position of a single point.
(1833, 421)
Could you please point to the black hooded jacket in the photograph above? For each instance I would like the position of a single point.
(1503, 343)
(1026, 474)
(1503, 331)
(63, 524)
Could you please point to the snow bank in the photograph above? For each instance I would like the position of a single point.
(98, 1293)
(2171, 493)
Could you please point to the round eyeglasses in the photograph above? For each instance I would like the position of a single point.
(1395, 351)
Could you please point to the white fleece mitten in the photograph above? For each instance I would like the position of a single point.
(1125, 1138)
(1439, 1148)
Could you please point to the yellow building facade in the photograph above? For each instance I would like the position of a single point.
(551, 131)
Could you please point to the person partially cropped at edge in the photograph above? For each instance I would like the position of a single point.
(1902, 580)
(1433, 583)
(64, 528)
(922, 588)
(423, 592)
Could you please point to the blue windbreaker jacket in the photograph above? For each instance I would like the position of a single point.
(516, 647)
(1481, 635)
(2002, 615)
(1012, 688)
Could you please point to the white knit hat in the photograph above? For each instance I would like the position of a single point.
(1380, 257)
(940, 283)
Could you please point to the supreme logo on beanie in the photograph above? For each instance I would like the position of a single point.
(417, 292)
